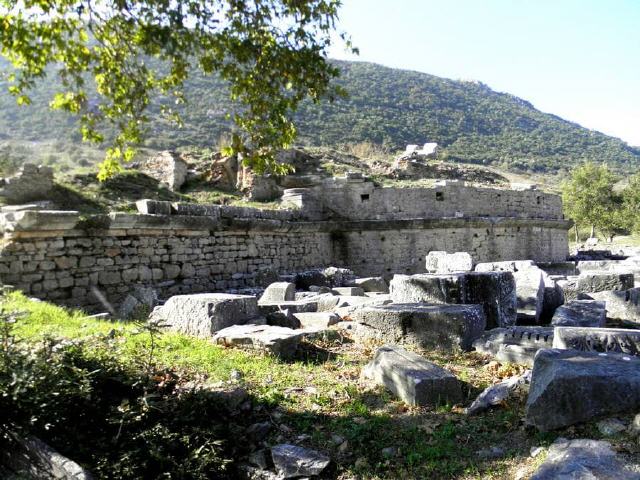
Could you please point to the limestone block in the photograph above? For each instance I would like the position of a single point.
(349, 291)
(412, 378)
(569, 387)
(292, 461)
(443, 262)
(620, 304)
(27, 220)
(530, 290)
(295, 306)
(515, 344)
(584, 459)
(620, 340)
(279, 292)
(506, 266)
(495, 291)
(153, 207)
(580, 313)
(168, 168)
(280, 341)
(600, 282)
(372, 284)
(317, 319)
(204, 314)
(449, 327)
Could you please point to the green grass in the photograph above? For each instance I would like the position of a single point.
(319, 396)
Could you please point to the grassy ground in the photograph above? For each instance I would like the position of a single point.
(319, 401)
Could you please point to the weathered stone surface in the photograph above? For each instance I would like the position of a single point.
(28, 220)
(372, 284)
(498, 393)
(583, 459)
(412, 378)
(569, 387)
(430, 326)
(505, 266)
(204, 314)
(580, 313)
(443, 262)
(292, 461)
(600, 282)
(279, 292)
(168, 168)
(280, 341)
(296, 306)
(317, 319)
(530, 290)
(349, 291)
(515, 344)
(495, 291)
(553, 298)
(619, 340)
(153, 207)
(620, 304)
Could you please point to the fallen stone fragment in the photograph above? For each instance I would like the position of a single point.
(584, 459)
(569, 387)
(279, 341)
(515, 344)
(279, 292)
(204, 314)
(505, 266)
(292, 461)
(591, 282)
(296, 306)
(412, 378)
(610, 427)
(580, 313)
(619, 340)
(372, 284)
(498, 393)
(443, 262)
(317, 319)
(448, 327)
(495, 291)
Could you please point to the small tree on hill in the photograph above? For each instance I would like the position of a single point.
(272, 53)
(589, 198)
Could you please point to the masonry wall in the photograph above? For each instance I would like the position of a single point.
(60, 257)
(360, 200)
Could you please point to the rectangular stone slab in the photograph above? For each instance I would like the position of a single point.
(204, 314)
(620, 340)
(569, 387)
(448, 327)
(580, 313)
(515, 344)
(412, 378)
(279, 341)
(495, 291)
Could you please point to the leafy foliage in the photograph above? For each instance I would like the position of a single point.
(590, 199)
(631, 204)
(269, 53)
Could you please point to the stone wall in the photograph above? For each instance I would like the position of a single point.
(74, 260)
(361, 200)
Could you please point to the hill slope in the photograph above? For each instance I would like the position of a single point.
(386, 106)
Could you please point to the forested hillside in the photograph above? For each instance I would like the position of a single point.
(385, 106)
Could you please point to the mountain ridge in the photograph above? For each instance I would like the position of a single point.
(386, 106)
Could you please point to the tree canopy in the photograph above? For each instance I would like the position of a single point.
(270, 53)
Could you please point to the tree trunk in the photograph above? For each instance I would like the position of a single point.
(575, 229)
(593, 231)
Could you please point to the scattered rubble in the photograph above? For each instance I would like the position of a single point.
(292, 461)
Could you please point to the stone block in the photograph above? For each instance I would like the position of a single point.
(443, 262)
(620, 340)
(279, 341)
(372, 284)
(349, 291)
(279, 292)
(620, 304)
(412, 378)
(29, 220)
(530, 290)
(583, 459)
(449, 327)
(204, 314)
(153, 207)
(506, 266)
(569, 387)
(495, 291)
(515, 344)
(317, 319)
(600, 282)
(580, 313)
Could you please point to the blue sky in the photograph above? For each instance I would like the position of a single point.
(577, 59)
